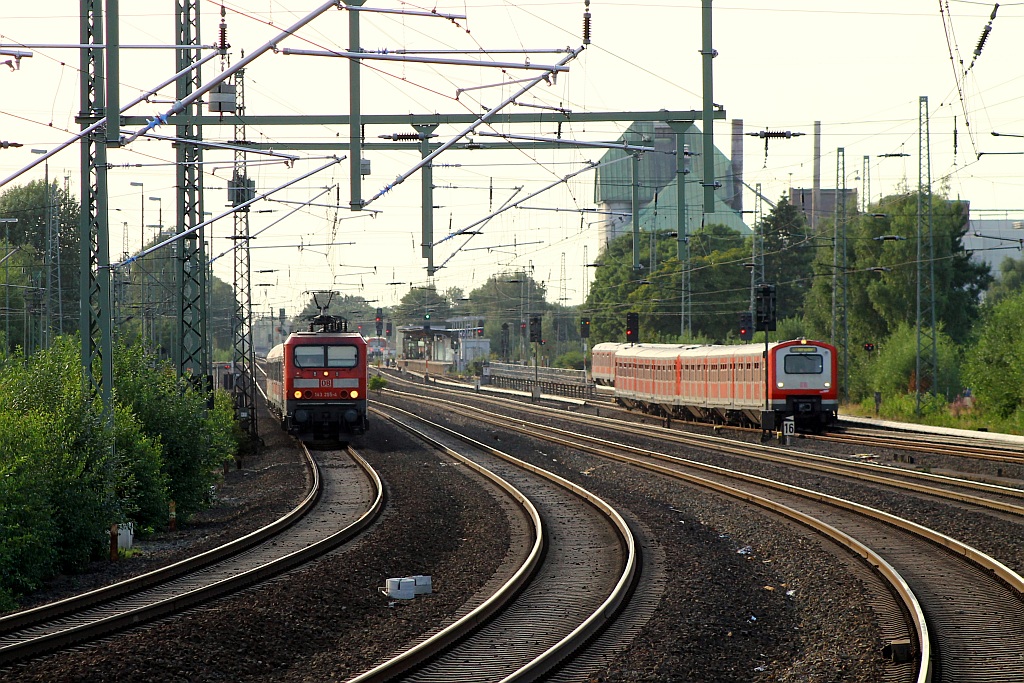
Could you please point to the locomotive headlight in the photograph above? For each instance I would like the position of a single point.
(325, 373)
(780, 385)
(828, 385)
(297, 394)
(354, 394)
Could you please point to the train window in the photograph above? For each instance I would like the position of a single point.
(804, 364)
(344, 356)
(309, 356)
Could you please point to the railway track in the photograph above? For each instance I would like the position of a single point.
(989, 496)
(972, 604)
(344, 497)
(923, 443)
(533, 620)
(919, 442)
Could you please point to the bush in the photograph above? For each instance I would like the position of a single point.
(892, 369)
(569, 359)
(28, 531)
(141, 482)
(377, 383)
(77, 466)
(172, 413)
(995, 364)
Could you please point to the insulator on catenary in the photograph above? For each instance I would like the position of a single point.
(223, 30)
(586, 23)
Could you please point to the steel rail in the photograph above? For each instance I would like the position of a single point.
(556, 652)
(178, 603)
(895, 581)
(874, 473)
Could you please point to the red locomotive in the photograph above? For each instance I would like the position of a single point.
(316, 381)
(727, 384)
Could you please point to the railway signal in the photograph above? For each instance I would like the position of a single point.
(765, 308)
(535, 333)
(380, 322)
(632, 327)
(746, 326)
(389, 331)
(584, 328)
(869, 346)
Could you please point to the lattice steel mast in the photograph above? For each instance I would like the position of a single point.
(927, 362)
(840, 331)
(94, 255)
(242, 190)
(191, 352)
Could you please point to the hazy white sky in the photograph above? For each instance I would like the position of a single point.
(859, 68)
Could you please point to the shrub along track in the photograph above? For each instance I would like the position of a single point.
(344, 498)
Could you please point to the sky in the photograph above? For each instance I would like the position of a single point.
(858, 68)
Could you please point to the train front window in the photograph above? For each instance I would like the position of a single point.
(318, 356)
(804, 364)
(342, 356)
(309, 356)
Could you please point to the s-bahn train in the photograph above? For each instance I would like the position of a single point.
(379, 349)
(725, 384)
(316, 382)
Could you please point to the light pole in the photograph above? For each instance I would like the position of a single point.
(48, 254)
(152, 269)
(7, 282)
(142, 213)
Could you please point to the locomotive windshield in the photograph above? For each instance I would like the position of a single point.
(317, 356)
(804, 364)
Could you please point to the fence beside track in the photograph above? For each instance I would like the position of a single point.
(559, 381)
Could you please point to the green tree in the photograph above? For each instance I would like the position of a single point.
(30, 204)
(882, 265)
(891, 368)
(79, 467)
(995, 363)
(420, 302)
(789, 249)
(719, 285)
(1009, 283)
(507, 298)
(195, 442)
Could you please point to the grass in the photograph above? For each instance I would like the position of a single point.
(937, 412)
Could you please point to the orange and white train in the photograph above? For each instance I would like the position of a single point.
(725, 384)
(316, 382)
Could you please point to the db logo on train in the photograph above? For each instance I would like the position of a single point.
(325, 383)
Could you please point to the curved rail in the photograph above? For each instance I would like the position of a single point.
(34, 644)
(76, 603)
(871, 472)
(459, 629)
(897, 583)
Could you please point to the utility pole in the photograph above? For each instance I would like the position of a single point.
(927, 359)
(190, 272)
(7, 281)
(229, 98)
(93, 230)
(840, 334)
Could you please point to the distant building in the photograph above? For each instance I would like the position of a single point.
(992, 241)
(803, 199)
(613, 190)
